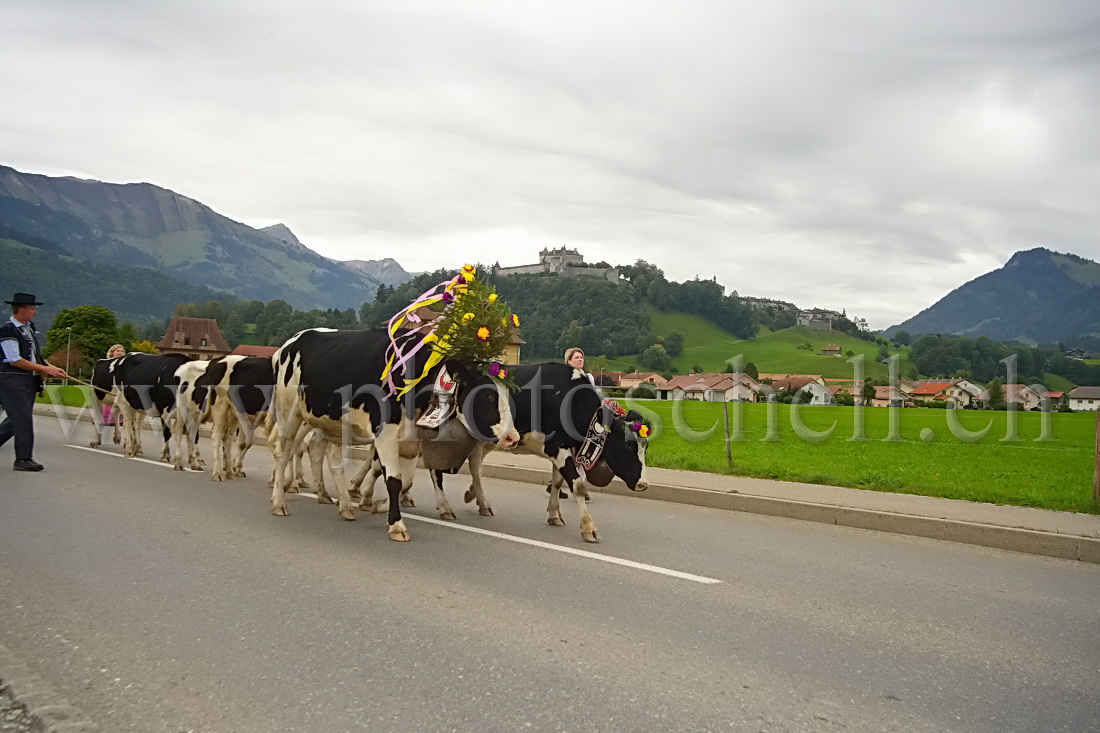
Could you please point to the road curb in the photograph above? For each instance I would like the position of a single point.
(44, 704)
(1018, 539)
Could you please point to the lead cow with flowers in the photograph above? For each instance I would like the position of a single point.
(370, 386)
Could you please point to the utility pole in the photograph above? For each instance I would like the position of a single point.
(68, 350)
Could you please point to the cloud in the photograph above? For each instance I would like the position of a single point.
(860, 155)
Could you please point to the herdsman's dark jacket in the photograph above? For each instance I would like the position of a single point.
(28, 346)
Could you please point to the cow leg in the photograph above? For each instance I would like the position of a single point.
(441, 504)
(240, 446)
(389, 457)
(315, 447)
(371, 468)
(284, 457)
(166, 434)
(339, 477)
(556, 482)
(219, 467)
(572, 475)
(476, 491)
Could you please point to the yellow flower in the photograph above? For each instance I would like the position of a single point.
(468, 317)
(483, 334)
(469, 272)
(644, 431)
(492, 297)
(515, 320)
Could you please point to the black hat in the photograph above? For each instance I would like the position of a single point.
(22, 299)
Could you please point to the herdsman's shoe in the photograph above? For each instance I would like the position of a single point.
(28, 464)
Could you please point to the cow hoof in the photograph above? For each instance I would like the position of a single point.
(469, 496)
(380, 506)
(348, 514)
(216, 477)
(239, 474)
(292, 490)
(486, 511)
(407, 501)
(556, 521)
(355, 493)
(325, 499)
(303, 484)
(398, 533)
(177, 468)
(279, 511)
(117, 440)
(449, 516)
(592, 536)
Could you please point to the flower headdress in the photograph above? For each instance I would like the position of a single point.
(474, 325)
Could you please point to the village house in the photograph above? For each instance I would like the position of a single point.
(810, 388)
(254, 350)
(711, 387)
(762, 377)
(1057, 400)
(1085, 399)
(851, 387)
(1021, 395)
(198, 338)
(633, 379)
(892, 396)
(956, 393)
(831, 350)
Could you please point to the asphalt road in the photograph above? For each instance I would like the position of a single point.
(155, 600)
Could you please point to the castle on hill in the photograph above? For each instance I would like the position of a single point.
(561, 261)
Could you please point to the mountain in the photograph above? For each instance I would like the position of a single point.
(1039, 296)
(146, 225)
(386, 270)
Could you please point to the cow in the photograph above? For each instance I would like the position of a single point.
(193, 394)
(105, 392)
(334, 381)
(554, 408)
(146, 384)
(242, 387)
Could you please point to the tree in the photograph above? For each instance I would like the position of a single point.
(997, 394)
(868, 392)
(656, 358)
(144, 346)
(902, 338)
(696, 369)
(674, 343)
(94, 330)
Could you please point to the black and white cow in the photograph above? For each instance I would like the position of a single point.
(242, 389)
(191, 411)
(555, 406)
(105, 392)
(332, 380)
(145, 384)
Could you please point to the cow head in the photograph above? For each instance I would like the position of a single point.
(484, 406)
(623, 454)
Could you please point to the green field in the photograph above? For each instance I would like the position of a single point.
(772, 352)
(1052, 474)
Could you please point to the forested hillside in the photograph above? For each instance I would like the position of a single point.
(137, 294)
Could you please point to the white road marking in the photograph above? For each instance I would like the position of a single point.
(489, 533)
(119, 455)
(559, 548)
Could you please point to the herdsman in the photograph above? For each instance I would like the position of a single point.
(20, 378)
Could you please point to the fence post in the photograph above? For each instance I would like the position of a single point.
(729, 452)
(1096, 470)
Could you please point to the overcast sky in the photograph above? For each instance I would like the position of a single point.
(870, 155)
